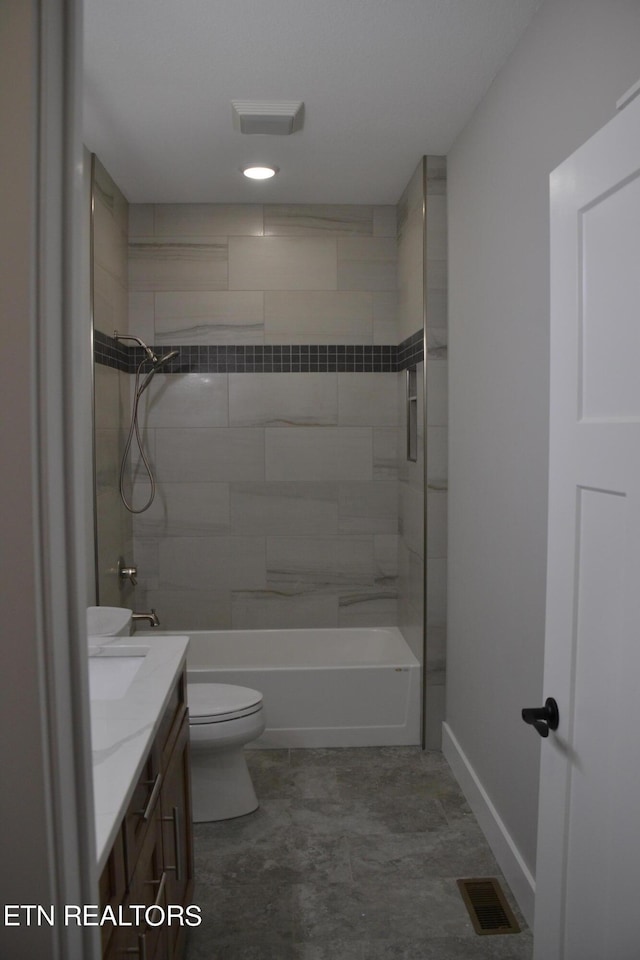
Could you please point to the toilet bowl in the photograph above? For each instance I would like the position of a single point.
(222, 719)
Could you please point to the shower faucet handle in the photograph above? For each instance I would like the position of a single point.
(127, 573)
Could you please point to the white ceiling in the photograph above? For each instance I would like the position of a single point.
(383, 82)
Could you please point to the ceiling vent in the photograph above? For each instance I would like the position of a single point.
(279, 117)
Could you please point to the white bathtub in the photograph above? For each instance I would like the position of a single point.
(355, 687)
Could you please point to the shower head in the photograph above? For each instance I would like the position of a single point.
(160, 361)
(157, 363)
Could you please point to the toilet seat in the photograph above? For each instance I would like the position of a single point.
(219, 702)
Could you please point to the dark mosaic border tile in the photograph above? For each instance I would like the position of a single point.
(411, 351)
(282, 358)
(110, 352)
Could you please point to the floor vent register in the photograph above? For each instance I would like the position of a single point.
(489, 911)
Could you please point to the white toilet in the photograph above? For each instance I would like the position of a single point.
(222, 718)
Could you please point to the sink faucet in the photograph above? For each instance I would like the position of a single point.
(152, 617)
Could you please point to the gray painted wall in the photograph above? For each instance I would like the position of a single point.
(559, 87)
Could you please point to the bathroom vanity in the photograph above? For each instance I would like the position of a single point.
(140, 740)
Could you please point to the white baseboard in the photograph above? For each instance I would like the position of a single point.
(515, 870)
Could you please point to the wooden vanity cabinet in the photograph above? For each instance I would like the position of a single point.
(152, 857)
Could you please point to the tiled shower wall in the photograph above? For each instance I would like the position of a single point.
(277, 499)
(114, 535)
(422, 278)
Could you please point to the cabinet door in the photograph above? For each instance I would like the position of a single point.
(176, 832)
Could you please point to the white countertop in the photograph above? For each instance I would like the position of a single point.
(122, 730)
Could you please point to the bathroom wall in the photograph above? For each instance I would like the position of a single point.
(114, 532)
(276, 448)
(422, 294)
(558, 88)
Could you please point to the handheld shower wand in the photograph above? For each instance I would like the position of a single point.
(157, 362)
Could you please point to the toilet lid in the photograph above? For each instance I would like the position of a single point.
(209, 702)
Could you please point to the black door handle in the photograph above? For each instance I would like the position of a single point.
(543, 718)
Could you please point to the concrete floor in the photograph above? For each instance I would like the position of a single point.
(353, 855)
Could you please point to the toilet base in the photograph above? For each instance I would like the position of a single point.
(221, 784)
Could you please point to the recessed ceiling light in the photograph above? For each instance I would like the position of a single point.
(259, 173)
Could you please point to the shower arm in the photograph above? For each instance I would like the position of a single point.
(127, 336)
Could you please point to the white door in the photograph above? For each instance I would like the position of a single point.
(587, 892)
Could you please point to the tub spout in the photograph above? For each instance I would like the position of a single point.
(152, 617)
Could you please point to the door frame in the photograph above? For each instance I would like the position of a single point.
(42, 41)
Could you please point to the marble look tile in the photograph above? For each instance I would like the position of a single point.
(436, 176)
(200, 946)
(411, 514)
(319, 453)
(185, 510)
(269, 508)
(282, 263)
(211, 563)
(296, 783)
(412, 779)
(107, 392)
(313, 219)
(283, 399)
(437, 394)
(385, 221)
(329, 950)
(215, 455)
(385, 453)
(516, 947)
(448, 852)
(209, 317)
(338, 910)
(110, 245)
(436, 248)
(335, 566)
(341, 757)
(141, 315)
(367, 399)
(436, 293)
(385, 317)
(224, 917)
(110, 302)
(428, 907)
(262, 610)
(318, 317)
(436, 524)
(385, 551)
(171, 264)
(367, 264)
(208, 220)
(410, 204)
(368, 508)
(190, 609)
(145, 555)
(372, 816)
(376, 609)
(437, 457)
(109, 198)
(275, 862)
(437, 343)
(186, 400)
(272, 819)
(141, 220)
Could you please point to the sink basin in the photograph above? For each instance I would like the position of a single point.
(111, 672)
(108, 621)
